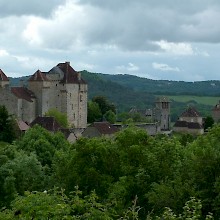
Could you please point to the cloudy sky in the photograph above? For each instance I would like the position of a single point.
(164, 39)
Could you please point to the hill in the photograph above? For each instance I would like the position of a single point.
(127, 91)
(202, 88)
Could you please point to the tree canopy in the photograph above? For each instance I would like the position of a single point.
(132, 176)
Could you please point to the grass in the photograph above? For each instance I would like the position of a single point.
(205, 100)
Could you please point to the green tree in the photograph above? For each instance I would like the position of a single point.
(110, 116)
(43, 143)
(60, 117)
(209, 122)
(94, 112)
(7, 126)
(20, 174)
(104, 104)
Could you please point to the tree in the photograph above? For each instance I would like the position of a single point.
(43, 143)
(94, 112)
(104, 104)
(209, 121)
(7, 126)
(110, 116)
(60, 117)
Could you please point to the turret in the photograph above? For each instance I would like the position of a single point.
(39, 84)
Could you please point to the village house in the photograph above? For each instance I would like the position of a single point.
(190, 122)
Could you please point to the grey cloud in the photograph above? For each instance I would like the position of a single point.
(28, 7)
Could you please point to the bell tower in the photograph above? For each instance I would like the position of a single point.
(163, 112)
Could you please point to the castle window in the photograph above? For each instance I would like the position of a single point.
(72, 108)
(70, 94)
(56, 84)
(80, 98)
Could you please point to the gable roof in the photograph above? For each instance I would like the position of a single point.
(104, 127)
(3, 77)
(23, 93)
(38, 76)
(46, 122)
(190, 125)
(190, 112)
(70, 75)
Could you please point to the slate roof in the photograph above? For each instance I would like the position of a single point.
(23, 93)
(70, 75)
(190, 112)
(190, 125)
(46, 122)
(3, 77)
(38, 76)
(104, 127)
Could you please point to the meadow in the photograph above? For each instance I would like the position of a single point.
(205, 100)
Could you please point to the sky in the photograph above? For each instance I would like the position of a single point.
(157, 39)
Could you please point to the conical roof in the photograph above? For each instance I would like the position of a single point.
(38, 76)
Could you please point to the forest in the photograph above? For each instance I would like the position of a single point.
(130, 176)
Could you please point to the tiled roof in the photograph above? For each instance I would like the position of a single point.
(3, 77)
(190, 112)
(38, 76)
(70, 75)
(181, 124)
(47, 122)
(23, 93)
(190, 125)
(105, 127)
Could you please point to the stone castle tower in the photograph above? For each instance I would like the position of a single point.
(61, 88)
(162, 112)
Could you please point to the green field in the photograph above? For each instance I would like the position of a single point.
(206, 100)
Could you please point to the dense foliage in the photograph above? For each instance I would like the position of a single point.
(133, 176)
(7, 126)
(60, 117)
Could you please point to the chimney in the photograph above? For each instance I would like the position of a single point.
(68, 62)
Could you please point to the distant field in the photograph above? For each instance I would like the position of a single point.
(206, 100)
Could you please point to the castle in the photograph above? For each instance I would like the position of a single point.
(61, 88)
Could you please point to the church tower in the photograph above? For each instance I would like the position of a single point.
(162, 112)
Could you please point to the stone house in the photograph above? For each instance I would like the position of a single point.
(190, 121)
(98, 129)
(61, 88)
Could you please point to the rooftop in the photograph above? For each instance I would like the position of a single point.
(23, 93)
